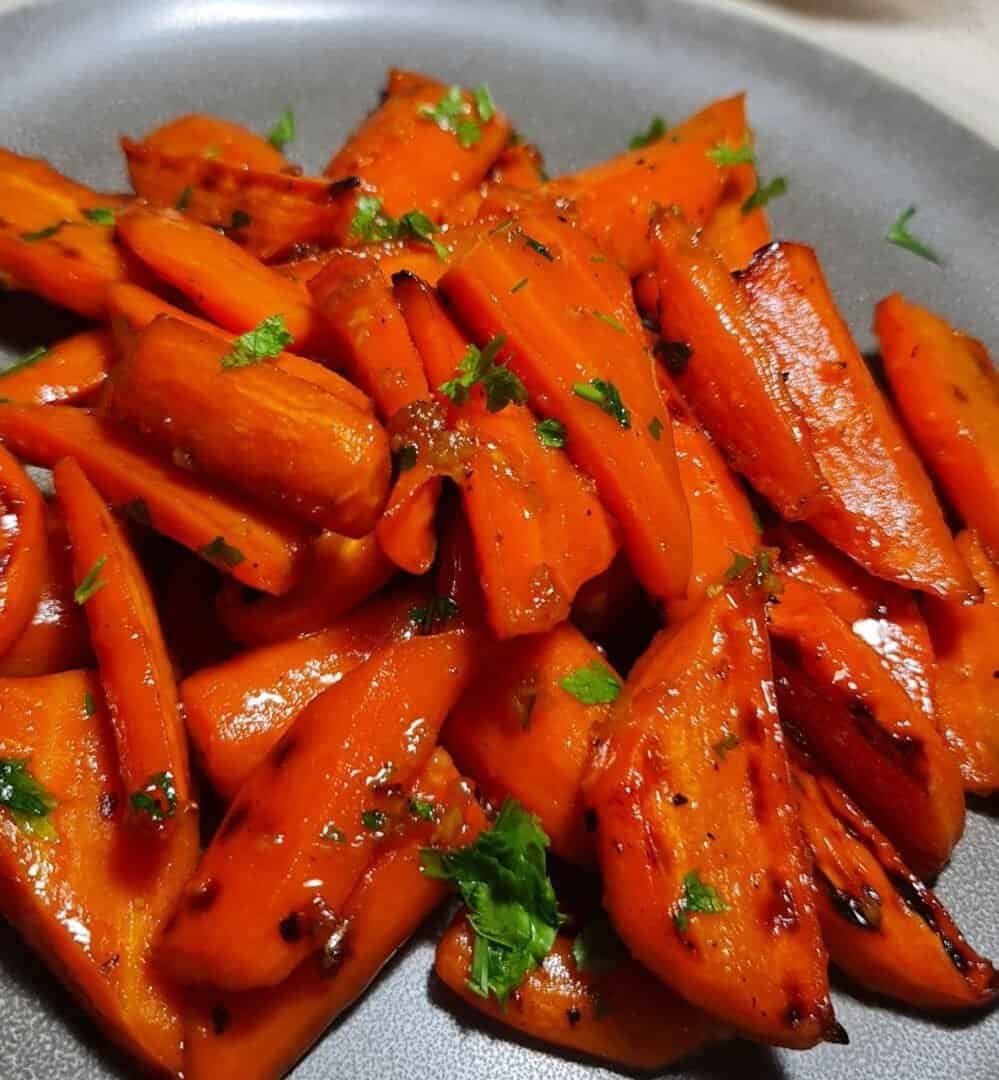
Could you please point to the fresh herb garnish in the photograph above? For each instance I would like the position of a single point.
(597, 948)
(723, 154)
(440, 610)
(675, 355)
(157, 797)
(184, 198)
(222, 554)
(28, 802)
(44, 234)
(100, 215)
(519, 285)
(453, 113)
(653, 133)
(371, 225)
(92, 582)
(900, 236)
(605, 396)
(536, 245)
(423, 809)
(594, 684)
(726, 743)
(656, 428)
(479, 366)
(283, 130)
(764, 575)
(28, 359)
(89, 708)
(373, 820)
(764, 193)
(417, 224)
(551, 433)
(503, 879)
(266, 340)
(484, 103)
(696, 898)
(613, 323)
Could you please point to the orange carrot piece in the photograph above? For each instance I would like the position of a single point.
(266, 1031)
(215, 139)
(324, 789)
(519, 164)
(562, 342)
(135, 668)
(249, 543)
(90, 901)
(408, 159)
(23, 553)
(238, 710)
(880, 508)
(728, 376)
(67, 372)
(947, 390)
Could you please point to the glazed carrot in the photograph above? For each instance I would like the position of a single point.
(215, 139)
(238, 710)
(227, 283)
(883, 926)
(539, 530)
(862, 726)
(249, 543)
(645, 289)
(947, 389)
(274, 436)
(338, 574)
(518, 732)
(409, 159)
(880, 508)
(727, 374)
(324, 789)
(135, 670)
(23, 551)
(519, 164)
(967, 689)
(262, 1033)
(68, 371)
(577, 359)
(705, 875)
(624, 1015)
(90, 896)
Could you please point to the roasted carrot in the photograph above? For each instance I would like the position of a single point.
(87, 894)
(416, 161)
(883, 926)
(863, 727)
(278, 438)
(260, 1034)
(241, 539)
(215, 139)
(624, 1015)
(324, 789)
(519, 164)
(967, 688)
(727, 374)
(947, 390)
(879, 505)
(238, 710)
(67, 371)
(705, 875)
(23, 543)
(582, 368)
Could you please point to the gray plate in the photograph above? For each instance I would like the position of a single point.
(579, 77)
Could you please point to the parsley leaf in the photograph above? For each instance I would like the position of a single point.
(696, 898)
(503, 879)
(541, 249)
(479, 366)
(268, 339)
(484, 103)
(44, 234)
(157, 798)
(221, 553)
(423, 809)
(613, 323)
(100, 215)
(92, 582)
(653, 133)
(374, 820)
(900, 236)
(28, 359)
(656, 428)
(28, 802)
(453, 113)
(764, 193)
(551, 433)
(440, 610)
(283, 131)
(519, 285)
(732, 155)
(764, 574)
(371, 225)
(605, 396)
(597, 947)
(416, 223)
(89, 708)
(594, 684)
(184, 198)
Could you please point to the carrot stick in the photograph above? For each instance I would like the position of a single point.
(519, 164)
(135, 669)
(880, 508)
(947, 389)
(215, 139)
(272, 435)
(261, 1034)
(324, 789)
(238, 710)
(252, 545)
(24, 541)
(68, 371)
(562, 342)
(727, 375)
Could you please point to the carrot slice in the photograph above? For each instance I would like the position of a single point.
(24, 542)
(705, 875)
(727, 375)
(563, 342)
(215, 139)
(883, 926)
(67, 371)
(881, 747)
(264, 1032)
(947, 389)
(135, 669)
(238, 710)
(880, 507)
(252, 545)
(323, 789)
(519, 164)
(623, 1015)
(89, 900)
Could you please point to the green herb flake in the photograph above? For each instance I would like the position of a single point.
(764, 573)
(374, 820)
(900, 236)
(28, 802)
(222, 554)
(440, 610)
(484, 103)
(721, 154)
(653, 133)
(89, 708)
(597, 948)
(594, 684)
(503, 879)
(92, 582)
(266, 340)
(423, 809)
(740, 564)
(44, 234)
(520, 284)
(407, 456)
(417, 224)
(725, 744)
(283, 131)
(100, 215)
(656, 428)
(613, 323)
(184, 199)
(536, 245)
(28, 359)
(479, 367)
(551, 433)
(453, 113)
(696, 898)
(605, 396)
(764, 193)
(157, 798)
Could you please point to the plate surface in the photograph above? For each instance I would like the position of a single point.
(579, 77)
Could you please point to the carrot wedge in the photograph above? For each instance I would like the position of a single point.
(135, 668)
(253, 546)
(260, 1034)
(67, 371)
(325, 788)
(278, 438)
(582, 367)
(727, 375)
(883, 926)
(24, 542)
(215, 139)
(947, 390)
(624, 1015)
(862, 726)
(880, 508)
(705, 875)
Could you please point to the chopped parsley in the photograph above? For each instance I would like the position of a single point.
(462, 118)
(536, 245)
(157, 798)
(374, 820)
(900, 236)
(656, 428)
(283, 130)
(551, 433)
(423, 809)
(613, 323)
(653, 133)
(732, 155)
(28, 359)
(606, 397)
(417, 224)
(266, 340)
(92, 582)
(597, 948)
(675, 355)
(222, 554)
(726, 743)
(503, 879)
(479, 366)
(44, 234)
(371, 225)
(28, 802)
(89, 707)
(440, 610)
(519, 285)
(484, 103)
(764, 193)
(100, 215)
(594, 684)
(696, 898)
(764, 573)
(184, 199)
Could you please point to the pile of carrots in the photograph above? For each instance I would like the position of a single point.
(415, 519)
